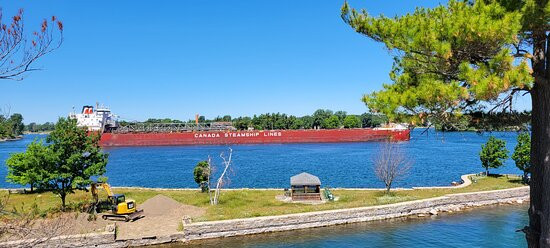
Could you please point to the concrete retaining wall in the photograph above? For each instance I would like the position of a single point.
(235, 227)
(454, 202)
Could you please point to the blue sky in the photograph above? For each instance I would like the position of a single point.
(178, 58)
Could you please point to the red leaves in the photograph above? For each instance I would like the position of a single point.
(14, 42)
(17, 18)
(60, 25)
(44, 25)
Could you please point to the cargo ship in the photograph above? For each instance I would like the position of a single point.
(102, 120)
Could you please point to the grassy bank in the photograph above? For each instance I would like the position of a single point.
(253, 203)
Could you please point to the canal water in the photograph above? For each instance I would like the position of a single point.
(483, 227)
(438, 159)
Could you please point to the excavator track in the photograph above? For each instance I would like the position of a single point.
(126, 217)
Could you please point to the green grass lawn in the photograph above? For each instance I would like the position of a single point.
(253, 203)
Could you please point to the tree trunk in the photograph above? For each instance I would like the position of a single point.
(538, 231)
(63, 196)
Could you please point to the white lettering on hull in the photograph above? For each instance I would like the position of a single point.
(237, 135)
(272, 134)
(207, 135)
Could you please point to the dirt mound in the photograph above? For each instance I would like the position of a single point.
(162, 205)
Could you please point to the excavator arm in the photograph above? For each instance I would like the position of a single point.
(95, 193)
(107, 189)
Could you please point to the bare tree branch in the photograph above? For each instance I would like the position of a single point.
(391, 164)
(222, 180)
(18, 50)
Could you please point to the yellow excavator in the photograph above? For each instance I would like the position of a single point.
(120, 207)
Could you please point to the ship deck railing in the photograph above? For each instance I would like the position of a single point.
(171, 127)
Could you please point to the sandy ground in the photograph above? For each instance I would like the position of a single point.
(162, 217)
(62, 224)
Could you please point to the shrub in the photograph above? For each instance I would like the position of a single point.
(493, 154)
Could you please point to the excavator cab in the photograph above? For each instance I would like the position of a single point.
(122, 206)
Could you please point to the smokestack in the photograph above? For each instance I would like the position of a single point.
(197, 119)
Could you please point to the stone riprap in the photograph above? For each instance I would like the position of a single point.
(452, 202)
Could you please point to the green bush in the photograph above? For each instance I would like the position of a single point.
(201, 174)
(522, 154)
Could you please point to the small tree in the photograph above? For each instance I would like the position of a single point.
(67, 163)
(78, 157)
(522, 154)
(391, 164)
(201, 174)
(27, 168)
(493, 153)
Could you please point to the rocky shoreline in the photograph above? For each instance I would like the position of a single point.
(418, 208)
(11, 139)
(257, 225)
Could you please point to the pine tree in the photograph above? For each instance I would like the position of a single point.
(462, 55)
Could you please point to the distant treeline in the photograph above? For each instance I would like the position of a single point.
(36, 128)
(322, 118)
(11, 127)
(327, 119)
(481, 121)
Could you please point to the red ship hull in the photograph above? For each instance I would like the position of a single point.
(253, 137)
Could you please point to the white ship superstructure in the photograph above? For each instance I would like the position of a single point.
(99, 120)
